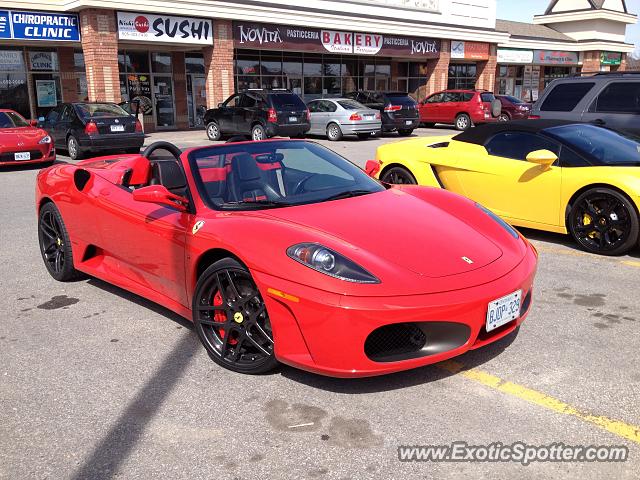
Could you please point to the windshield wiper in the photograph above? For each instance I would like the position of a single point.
(347, 194)
(254, 203)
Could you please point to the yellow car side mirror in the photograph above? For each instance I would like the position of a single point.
(545, 158)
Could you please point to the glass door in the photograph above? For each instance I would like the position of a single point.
(164, 101)
(196, 100)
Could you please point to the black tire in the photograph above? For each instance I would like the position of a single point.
(334, 132)
(405, 132)
(213, 131)
(398, 176)
(504, 117)
(364, 136)
(463, 122)
(258, 133)
(55, 245)
(231, 319)
(73, 148)
(604, 221)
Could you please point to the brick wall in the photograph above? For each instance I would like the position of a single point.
(218, 63)
(68, 77)
(100, 46)
(438, 69)
(487, 70)
(591, 61)
(180, 89)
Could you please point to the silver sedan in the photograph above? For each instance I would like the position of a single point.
(336, 117)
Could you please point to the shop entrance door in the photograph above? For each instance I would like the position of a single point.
(164, 102)
(196, 100)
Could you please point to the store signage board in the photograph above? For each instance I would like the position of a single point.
(469, 50)
(281, 37)
(548, 57)
(610, 58)
(57, 27)
(506, 55)
(164, 28)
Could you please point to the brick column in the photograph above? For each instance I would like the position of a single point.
(100, 46)
(68, 75)
(623, 63)
(487, 70)
(218, 64)
(438, 70)
(591, 61)
(180, 89)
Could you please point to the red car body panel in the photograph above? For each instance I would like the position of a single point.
(319, 322)
(447, 111)
(24, 139)
(515, 111)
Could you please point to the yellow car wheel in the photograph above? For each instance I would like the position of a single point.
(398, 176)
(604, 221)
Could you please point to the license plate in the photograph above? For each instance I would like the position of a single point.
(117, 128)
(22, 156)
(408, 122)
(504, 310)
(293, 119)
(368, 117)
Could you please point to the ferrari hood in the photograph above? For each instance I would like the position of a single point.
(28, 136)
(401, 229)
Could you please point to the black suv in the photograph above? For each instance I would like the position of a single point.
(260, 113)
(398, 110)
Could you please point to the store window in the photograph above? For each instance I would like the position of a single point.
(14, 93)
(412, 79)
(510, 80)
(462, 76)
(194, 63)
(196, 89)
(310, 75)
(80, 75)
(44, 69)
(135, 81)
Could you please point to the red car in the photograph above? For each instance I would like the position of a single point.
(21, 142)
(284, 251)
(462, 108)
(513, 108)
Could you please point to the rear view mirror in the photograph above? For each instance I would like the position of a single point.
(161, 195)
(220, 105)
(545, 158)
(372, 168)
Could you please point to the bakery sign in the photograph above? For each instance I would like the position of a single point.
(164, 28)
(301, 39)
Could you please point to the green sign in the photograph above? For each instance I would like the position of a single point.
(610, 58)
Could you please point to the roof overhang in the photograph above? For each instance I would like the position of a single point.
(582, 15)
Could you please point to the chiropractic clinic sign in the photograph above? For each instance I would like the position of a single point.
(47, 26)
(302, 39)
(164, 28)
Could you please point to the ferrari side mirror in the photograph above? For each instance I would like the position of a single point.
(545, 158)
(160, 195)
(33, 123)
(372, 168)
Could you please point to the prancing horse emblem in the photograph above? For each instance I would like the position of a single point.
(468, 260)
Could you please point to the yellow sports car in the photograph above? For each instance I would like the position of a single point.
(550, 175)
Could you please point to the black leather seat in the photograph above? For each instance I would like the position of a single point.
(247, 182)
(169, 174)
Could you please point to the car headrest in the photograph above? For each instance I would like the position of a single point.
(169, 174)
(245, 168)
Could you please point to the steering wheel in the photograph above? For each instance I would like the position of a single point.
(170, 147)
(298, 189)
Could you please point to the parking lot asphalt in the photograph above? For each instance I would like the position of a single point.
(99, 383)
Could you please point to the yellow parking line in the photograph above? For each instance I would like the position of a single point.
(631, 264)
(621, 429)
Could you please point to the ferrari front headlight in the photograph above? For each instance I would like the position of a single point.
(46, 139)
(330, 262)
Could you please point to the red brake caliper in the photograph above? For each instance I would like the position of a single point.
(221, 317)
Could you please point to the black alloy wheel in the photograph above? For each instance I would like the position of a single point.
(604, 221)
(55, 245)
(231, 319)
(398, 176)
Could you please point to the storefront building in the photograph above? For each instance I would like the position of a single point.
(187, 56)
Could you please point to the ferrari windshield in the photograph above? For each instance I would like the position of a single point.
(600, 145)
(12, 120)
(272, 174)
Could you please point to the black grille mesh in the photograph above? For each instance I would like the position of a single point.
(396, 339)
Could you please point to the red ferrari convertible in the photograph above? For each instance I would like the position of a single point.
(22, 142)
(284, 251)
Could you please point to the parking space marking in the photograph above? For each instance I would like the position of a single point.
(617, 427)
(577, 253)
